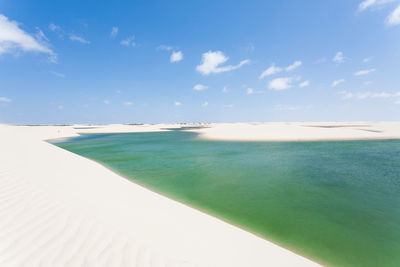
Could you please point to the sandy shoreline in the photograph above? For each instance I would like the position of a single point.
(316, 131)
(60, 209)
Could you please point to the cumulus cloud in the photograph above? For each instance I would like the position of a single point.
(339, 58)
(304, 84)
(13, 39)
(282, 83)
(4, 99)
(363, 72)
(114, 31)
(128, 41)
(337, 82)
(295, 65)
(250, 91)
(365, 95)
(106, 101)
(199, 87)
(205, 104)
(372, 3)
(176, 56)
(225, 89)
(211, 62)
(60, 107)
(128, 103)
(177, 103)
(394, 17)
(270, 71)
(76, 38)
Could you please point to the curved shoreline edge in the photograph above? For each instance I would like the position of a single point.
(58, 208)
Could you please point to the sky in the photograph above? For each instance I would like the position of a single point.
(145, 61)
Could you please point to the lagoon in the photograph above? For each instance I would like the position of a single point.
(335, 202)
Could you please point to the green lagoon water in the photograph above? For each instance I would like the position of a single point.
(337, 203)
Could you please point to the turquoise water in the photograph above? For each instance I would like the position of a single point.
(337, 203)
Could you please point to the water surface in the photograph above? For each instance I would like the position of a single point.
(337, 203)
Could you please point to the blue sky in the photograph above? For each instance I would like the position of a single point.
(169, 61)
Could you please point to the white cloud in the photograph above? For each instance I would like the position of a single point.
(270, 71)
(5, 99)
(228, 106)
(199, 87)
(205, 104)
(106, 101)
(13, 39)
(394, 17)
(177, 103)
(176, 56)
(164, 47)
(118, 91)
(367, 59)
(56, 29)
(225, 89)
(128, 41)
(295, 65)
(127, 103)
(337, 82)
(250, 91)
(40, 35)
(79, 39)
(365, 95)
(60, 107)
(367, 82)
(114, 31)
(363, 72)
(339, 58)
(372, 3)
(53, 27)
(280, 83)
(61, 75)
(250, 47)
(320, 60)
(274, 70)
(212, 60)
(304, 84)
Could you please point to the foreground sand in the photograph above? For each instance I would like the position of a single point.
(60, 209)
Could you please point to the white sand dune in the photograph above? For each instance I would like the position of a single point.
(60, 209)
(300, 131)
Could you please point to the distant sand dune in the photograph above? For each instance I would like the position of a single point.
(300, 131)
